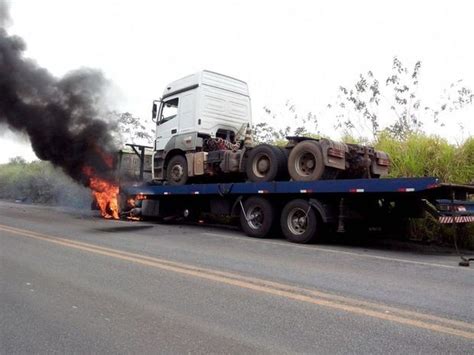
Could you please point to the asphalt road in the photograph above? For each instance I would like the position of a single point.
(72, 282)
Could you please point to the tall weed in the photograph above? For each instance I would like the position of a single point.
(421, 155)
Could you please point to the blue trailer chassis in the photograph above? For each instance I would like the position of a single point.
(331, 201)
(401, 185)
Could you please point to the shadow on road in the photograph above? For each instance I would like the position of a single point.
(121, 229)
(359, 240)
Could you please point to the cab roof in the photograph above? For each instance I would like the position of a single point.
(206, 78)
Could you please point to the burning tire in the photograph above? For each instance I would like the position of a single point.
(177, 170)
(305, 162)
(257, 217)
(299, 222)
(266, 163)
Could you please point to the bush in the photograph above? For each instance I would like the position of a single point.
(429, 230)
(40, 182)
(421, 155)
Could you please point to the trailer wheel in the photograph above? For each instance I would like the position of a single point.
(265, 163)
(257, 217)
(299, 222)
(177, 170)
(305, 162)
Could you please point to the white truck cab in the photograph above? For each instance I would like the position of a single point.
(204, 103)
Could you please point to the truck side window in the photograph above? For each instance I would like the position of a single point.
(169, 111)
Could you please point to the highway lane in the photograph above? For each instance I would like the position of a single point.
(73, 282)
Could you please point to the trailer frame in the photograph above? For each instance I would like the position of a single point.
(306, 207)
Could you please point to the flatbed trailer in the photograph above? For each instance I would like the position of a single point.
(303, 211)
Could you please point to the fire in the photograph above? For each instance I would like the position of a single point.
(105, 193)
(131, 204)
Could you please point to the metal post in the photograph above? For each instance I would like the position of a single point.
(340, 220)
(142, 162)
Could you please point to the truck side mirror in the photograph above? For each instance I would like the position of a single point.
(154, 111)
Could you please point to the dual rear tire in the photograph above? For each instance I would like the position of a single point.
(304, 163)
(266, 163)
(299, 222)
(257, 217)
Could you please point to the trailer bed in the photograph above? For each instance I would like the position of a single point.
(300, 209)
(425, 185)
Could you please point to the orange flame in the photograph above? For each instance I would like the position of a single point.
(131, 203)
(105, 194)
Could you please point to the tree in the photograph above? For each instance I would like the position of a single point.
(131, 129)
(17, 161)
(267, 131)
(361, 105)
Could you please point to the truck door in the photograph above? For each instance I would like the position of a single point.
(168, 121)
(187, 119)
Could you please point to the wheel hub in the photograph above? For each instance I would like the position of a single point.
(297, 221)
(177, 172)
(255, 217)
(261, 165)
(305, 164)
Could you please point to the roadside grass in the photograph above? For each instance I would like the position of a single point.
(422, 155)
(429, 230)
(40, 182)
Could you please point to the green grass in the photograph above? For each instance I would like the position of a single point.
(421, 155)
(429, 230)
(40, 182)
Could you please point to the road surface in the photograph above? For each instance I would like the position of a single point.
(72, 282)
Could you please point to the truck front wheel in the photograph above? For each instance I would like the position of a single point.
(177, 170)
(299, 222)
(257, 217)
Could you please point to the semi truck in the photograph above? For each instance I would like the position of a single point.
(204, 161)
(204, 133)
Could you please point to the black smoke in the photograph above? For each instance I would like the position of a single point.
(61, 116)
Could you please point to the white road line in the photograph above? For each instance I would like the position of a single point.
(369, 256)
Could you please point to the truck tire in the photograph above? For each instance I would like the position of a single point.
(305, 162)
(284, 176)
(299, 222)
(177, 170)
(257, 217)
(265, 163)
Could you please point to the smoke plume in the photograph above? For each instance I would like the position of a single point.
(61, 116)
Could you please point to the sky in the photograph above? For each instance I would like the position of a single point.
(297, 50)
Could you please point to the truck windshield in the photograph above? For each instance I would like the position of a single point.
(169, 110)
